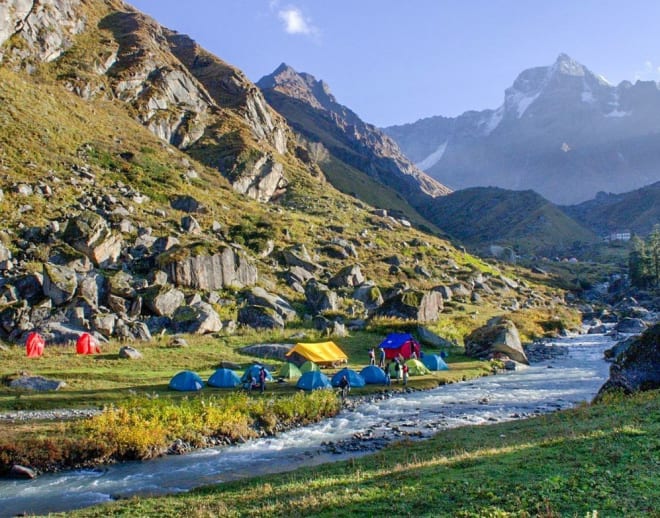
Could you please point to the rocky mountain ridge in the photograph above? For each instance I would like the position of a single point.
(562, 131)
(312, 110)
(184, 95)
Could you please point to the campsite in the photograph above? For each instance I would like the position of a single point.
(103, 380)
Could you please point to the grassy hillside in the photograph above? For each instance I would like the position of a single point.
(595, 460)
(635, 211)
(482, 216)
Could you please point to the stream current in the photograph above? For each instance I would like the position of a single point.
(543, 387)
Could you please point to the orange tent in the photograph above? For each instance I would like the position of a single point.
(34, 345)
(87, 344)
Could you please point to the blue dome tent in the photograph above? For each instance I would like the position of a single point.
(373, 375)
(313, 380)
(186, 381)
(224, 378)
(254, 370)
(353, 378)
(434, 362)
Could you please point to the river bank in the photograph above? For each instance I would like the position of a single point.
(538, 389)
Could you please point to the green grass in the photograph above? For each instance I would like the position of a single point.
(98, 380)
(596, 460)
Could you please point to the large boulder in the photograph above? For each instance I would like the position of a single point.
(428, 337)
(276, 351)
(423, 306)
(188, 204)
(60, 283)
(369, 294)
(198, 318)
(631, 326)
(121, 285)
(36, 384)
(194, 267)
(349, 276)
(90, 234)
(320, 298)
(260, 317)
(258, 296)
(298, 256)
(499, 335)
(638, 366)
(163, 301)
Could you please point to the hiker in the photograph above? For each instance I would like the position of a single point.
(388, 379)
(397, 369)
(404, 369)
(345, 387)
(381, 359)
(372, 356)
(262, 379)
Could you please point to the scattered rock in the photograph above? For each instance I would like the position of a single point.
(36, 384)
(129, 353)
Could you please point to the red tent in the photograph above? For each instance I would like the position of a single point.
(403, 344)
(87, 344)
(34, 345)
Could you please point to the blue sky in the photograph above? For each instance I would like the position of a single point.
(394, 61)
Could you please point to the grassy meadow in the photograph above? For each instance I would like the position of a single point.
(598, 460)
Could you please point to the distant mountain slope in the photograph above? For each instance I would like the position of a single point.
(483, 216)
(561, 131)
(637, 211)
(312, 110)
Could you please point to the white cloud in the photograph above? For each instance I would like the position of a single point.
(649, 72)
(295, 22)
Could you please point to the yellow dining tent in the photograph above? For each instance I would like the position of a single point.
(324, 353)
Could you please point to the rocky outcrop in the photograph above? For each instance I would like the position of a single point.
(320, 298)
(638, 366)
(45, 28)
(89, 233)
(349, 276)
(60, 283)
(260, 317)
(499, 335)
(260, 297)
(422, 306)
(224, 269)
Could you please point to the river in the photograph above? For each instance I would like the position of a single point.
(543, 387)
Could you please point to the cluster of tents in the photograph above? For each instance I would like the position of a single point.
(35, 344)
(314, 356)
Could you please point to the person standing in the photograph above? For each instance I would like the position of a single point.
(345, 387)
(262, 379)
(404, 370)
(381, 358)
(397, 369)
(372, 356)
